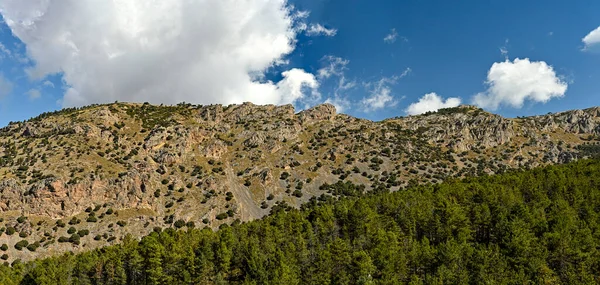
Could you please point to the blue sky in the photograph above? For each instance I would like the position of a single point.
(441, 47)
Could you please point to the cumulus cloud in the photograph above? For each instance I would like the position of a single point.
(162, 51)
(391, 37)
(431, 102)
(511, 83)
(6, 86)
(34, 94)
(380, 95)
(592, 39)
(320, 30)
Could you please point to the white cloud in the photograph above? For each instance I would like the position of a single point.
(336, 67)
(320, 30)
(406, 72)
(391, 37)
(34, 94)
(6, 86)
(511, 83)
(380, 95)
(4, 51)
(431, 102)
(591, 39)
(332, 66)
(47, 83)
(162, 51)
(504, 49)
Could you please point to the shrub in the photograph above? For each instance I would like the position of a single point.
(32, 247)
(71, 230)
(284, 175)
(10, 231)
(4, 256)
(4, 247)
(20, 245)
(23, 234)
(222, 216)
(75, 239)
(21, 219)
(179, 224)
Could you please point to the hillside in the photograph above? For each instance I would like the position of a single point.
(79, 179)
(525, 227)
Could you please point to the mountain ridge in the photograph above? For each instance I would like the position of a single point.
(125, 168)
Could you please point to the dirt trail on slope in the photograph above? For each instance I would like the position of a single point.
(249, 210)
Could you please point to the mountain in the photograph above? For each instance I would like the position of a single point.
(83, 178)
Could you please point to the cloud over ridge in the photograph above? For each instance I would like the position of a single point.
(161, 51)
(512, 83)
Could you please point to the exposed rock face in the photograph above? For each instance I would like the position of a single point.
(152, 165)
(324, 112)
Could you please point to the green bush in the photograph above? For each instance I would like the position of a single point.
(10, 231)
(179, 224)
(21, 244)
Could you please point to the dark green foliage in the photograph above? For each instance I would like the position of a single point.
(535, 227)
(4, 247)
(179, 224)
(21, 219)
(10, 231)
(33, 246)
(21, 244)
(284, 175)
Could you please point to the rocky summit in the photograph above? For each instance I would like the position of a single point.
(82, 178)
